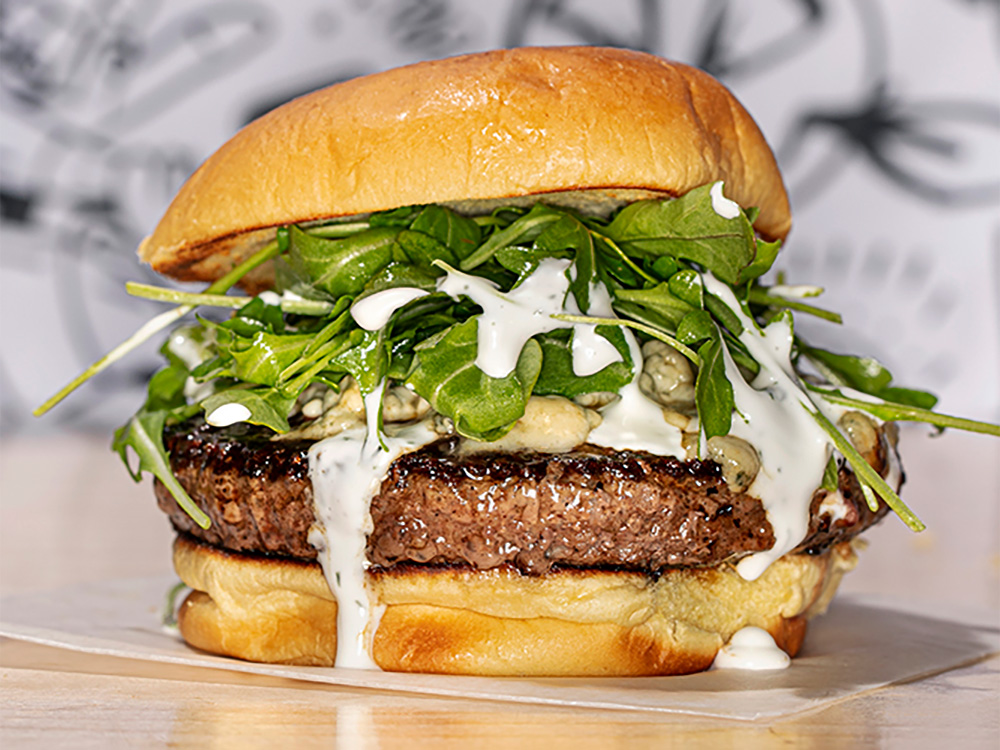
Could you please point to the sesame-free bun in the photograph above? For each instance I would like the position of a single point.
(500, 622)
(617, 125)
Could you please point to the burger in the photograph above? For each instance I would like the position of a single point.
(504, 392)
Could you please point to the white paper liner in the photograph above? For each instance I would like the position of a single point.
(858, 646)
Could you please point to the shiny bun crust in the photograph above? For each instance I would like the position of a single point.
(499, 622)
(614, 123)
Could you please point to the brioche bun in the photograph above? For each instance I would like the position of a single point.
(500, 622)
(589, 128)
(616, 125)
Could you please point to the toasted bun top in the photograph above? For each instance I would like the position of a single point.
(496, 125)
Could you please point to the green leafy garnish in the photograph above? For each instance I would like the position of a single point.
(865, 374)
(713, 391)
(867, 476)
(482, 407)
(653, 260)
(683, 229)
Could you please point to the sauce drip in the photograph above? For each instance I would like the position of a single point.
(509, 319)
(751, 648)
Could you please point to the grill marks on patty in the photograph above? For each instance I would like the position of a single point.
(590, 508)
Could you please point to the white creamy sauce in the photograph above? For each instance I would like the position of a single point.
(751, 648)
(274, 299)
(270, 298)
(510, 319)
(188, 350)
(374, 311)
(192, 353)
(795, 291)
(346, 471)
(228, 414)
(775, 416)
(633, 422)
(724, 207)
(591, 351)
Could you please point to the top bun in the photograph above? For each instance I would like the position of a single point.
(501, 125)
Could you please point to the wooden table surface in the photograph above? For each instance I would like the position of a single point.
(68, 514)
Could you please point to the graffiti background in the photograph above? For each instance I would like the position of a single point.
(885, 116)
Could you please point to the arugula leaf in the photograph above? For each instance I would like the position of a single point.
(256, 316)
(460, 234)
(760, 296)
(166, 388)
(569, 233)
(342, 266)
(664, 267)
(523, 260)
(263, 358)
(144, 435)
(290, 275)
(687, 227)
(481, 407)
(366, 360)
(713, 391)
(522, 231)
(557, 377)
(685, 285)
(721, 312)
(268, 407)
(659, 300)
(865, 374)
(767, 253)
(831, 480)
(396, 217)
(617, 264)
(398, 274)
(900, 412)
(421, 250)
(694, 327)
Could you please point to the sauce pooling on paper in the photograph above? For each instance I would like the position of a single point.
(751, 648)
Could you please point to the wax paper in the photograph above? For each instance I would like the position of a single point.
(861, 644)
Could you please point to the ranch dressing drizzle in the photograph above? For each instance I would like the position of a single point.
(591, 351)
(510, 319)
(274, 299)
(346, 471)
(724, 207)
(793, 448)
(633, 422)
(751, 648)
(374, 311)
(228, 414)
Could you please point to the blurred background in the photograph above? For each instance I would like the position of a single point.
(884, 115)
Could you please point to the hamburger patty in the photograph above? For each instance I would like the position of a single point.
(591, 507)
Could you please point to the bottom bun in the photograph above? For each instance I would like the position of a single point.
(501, 622)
